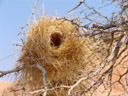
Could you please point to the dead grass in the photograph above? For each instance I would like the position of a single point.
(54, 45)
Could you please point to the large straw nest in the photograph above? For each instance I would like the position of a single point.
(54, 45)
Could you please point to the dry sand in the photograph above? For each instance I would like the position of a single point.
(4, 85)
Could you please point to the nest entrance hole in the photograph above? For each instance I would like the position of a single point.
(56, 40)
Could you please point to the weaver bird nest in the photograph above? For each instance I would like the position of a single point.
(53, 44)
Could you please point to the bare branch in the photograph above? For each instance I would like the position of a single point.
(28, 23)
(17, 69)
(76, 6)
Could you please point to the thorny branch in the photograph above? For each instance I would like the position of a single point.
(103, 31)
(17, 69)
(43, 77)
(3, 73)
(81, 2)
(113, 31)
(28, 23)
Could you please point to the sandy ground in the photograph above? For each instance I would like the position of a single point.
(4, 85)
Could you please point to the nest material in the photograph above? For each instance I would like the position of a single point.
(54, 45)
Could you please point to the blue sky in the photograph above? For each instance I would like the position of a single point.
(15, 13)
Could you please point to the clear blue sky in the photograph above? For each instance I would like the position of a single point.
(15, 13)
